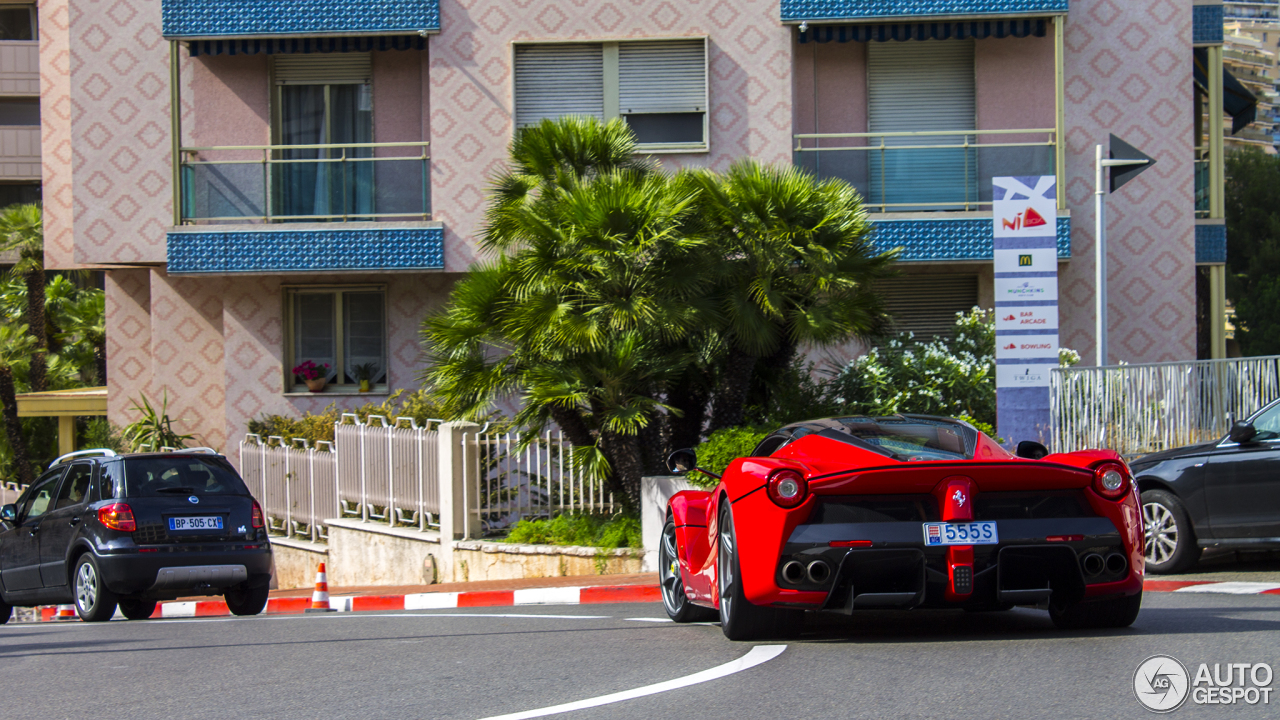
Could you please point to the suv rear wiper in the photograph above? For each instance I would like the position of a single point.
(182, 489)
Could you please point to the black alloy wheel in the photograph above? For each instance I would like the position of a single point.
(137, 609)
(94, 602)
(247, 601)
(674, 600)
(739, 619)
(1169, 540)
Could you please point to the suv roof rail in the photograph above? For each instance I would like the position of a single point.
(104, 452)
(201, 450)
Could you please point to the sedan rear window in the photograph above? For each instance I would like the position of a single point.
(161, 476)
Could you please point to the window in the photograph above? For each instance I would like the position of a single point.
(38, 499)
(324, 100)
(20, 111)
(76, 486)
(659, 87)
(17, 22)
(927, 304)
(344, 328)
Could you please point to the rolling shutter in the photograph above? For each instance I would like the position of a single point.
(326, 69)
(927, 304)
(662, 77)
(556, 80)
(922, 86)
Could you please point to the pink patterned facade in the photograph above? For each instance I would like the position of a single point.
(215, 342)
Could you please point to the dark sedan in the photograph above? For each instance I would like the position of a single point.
(1220, 494)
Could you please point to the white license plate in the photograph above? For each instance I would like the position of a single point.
(974, 533)
(213, 522)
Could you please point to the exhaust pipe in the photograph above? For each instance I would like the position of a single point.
(793, 572)
(1094, 564)
(819, 572)
(1117, 564)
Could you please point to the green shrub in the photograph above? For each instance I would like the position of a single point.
(318, 427)
(619, 531)
(723, 447)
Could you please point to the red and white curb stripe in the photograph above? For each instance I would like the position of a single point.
(420, 601)
(563, 596)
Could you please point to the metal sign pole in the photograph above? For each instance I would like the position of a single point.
(1129, 156)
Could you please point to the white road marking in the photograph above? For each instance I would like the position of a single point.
(1230, 588)
(759, 654)
(263, 618)
(657, 620)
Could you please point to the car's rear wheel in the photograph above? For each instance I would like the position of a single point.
(137, 609)
(6, 611)
(1113, 613)
(674, 600)
(94, 602)
(739, 619)
(247, 601)
(1170, 542)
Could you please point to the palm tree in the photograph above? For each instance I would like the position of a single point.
(796, 266)
(15, 348)
(21, 229)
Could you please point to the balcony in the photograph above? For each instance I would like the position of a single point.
(19, 67)
(20, 153)
(293, 208)
(256, 18)
(822, 10)
(948, 170)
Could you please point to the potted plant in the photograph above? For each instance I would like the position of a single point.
(313, 375)
(364, 374)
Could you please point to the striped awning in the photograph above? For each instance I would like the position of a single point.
(275, 46)
(884, 32)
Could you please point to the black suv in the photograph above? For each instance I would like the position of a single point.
(103, 530)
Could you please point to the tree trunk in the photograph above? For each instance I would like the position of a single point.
(36, 375)
(100, 360)
(13, 427)
(690, 395)
(731, 395)
(627, 465)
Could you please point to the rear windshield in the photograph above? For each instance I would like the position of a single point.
(912, 439)
(161, 476)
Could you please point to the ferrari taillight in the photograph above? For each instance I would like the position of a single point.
(787, 488)
(1110, 480)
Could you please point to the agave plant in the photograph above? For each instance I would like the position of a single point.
(154, 430)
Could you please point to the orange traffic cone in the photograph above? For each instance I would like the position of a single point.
(66, 612)
(320, 598)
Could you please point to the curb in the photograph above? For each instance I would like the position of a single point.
(416, 601)
(559, 596)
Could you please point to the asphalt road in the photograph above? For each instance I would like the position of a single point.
(471, 664)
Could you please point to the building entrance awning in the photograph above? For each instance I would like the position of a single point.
(1237, 101)
(903, 32)
(66, 405)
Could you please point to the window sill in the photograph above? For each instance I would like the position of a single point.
(376, 391)
(673, 149)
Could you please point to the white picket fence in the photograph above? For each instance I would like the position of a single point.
(535, 481)
(388, 472)
(9, 492)
(1138, 409)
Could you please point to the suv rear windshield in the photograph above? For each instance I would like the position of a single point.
(161, 476)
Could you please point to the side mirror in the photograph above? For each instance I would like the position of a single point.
(1031, 450)
(1242, 432)
(682, 461)
(9, 513)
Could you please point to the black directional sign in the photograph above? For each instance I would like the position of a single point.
(1121, 174)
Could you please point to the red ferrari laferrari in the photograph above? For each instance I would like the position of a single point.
(906, 511)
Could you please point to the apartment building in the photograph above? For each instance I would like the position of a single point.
(19, 104)
(267, 182)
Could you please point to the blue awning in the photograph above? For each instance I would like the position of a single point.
(1237, 101)
(275, 46)
(902, 32)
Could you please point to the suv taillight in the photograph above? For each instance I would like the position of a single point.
(117, 516)
(257, 515)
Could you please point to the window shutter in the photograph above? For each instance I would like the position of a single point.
(557, 80)
(921, 86)
(662, 77)
(324, 69)
(927, 304)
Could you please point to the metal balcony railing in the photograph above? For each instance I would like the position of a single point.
(928, 170)
(305, 183)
